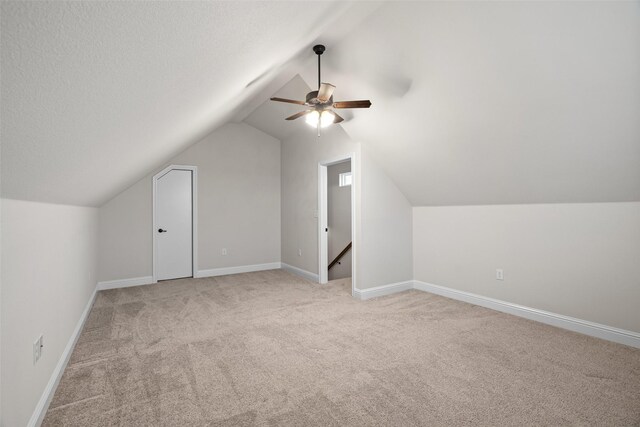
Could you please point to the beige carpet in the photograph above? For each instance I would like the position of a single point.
(270, 348)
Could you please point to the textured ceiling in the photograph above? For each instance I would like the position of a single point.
(473, 102)
(497, 102)
(96, 94)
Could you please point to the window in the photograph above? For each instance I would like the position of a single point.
(345, 179)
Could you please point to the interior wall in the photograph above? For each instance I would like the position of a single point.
(578, 260)
(238, 207)
(339, 220)
(383, 235)
(301, 153)
(125, 246)
(48, 277)
(387, 228)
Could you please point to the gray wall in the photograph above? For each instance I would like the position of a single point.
(386, 225)
(339, 220)
(49, 257)
(238, 207)
(383, 215)
(301, 153)
(579, 260)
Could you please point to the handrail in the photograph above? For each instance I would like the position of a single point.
(340, 255)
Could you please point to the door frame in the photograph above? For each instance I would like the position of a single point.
(323, 244)
(194, 216)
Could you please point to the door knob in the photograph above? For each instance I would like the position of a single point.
(160, 230)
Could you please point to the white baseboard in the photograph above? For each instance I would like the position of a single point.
(597, 330)
(378, 291)
(300, 272)
(593, 329)
(235, 270)
(147, 280)
(125, 283)
(43, 404)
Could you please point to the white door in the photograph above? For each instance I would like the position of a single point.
(174, 221)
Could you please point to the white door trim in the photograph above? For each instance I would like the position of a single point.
(323, 246)
(194, 207)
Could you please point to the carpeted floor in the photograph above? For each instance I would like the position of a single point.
(270, 348)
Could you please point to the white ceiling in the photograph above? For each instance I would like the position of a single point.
(497, 102)
(97, 94)
(269, 116)
(473, 102)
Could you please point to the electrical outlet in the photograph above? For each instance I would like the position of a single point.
(499, 274)
(224, 251)
(299, 252)
(37, 349)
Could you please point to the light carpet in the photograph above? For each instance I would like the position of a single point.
(270, 348)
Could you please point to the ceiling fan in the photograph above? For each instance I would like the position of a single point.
(320, 102)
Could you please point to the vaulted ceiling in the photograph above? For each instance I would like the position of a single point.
(473, 102)
(97, 94)
(497, 102)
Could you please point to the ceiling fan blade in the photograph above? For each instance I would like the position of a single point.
(325, 92)
(290, 101)
(352, 104)
(338, 119)
(298, 115)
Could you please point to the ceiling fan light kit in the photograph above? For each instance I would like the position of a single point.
(325, 118)
(321, 102)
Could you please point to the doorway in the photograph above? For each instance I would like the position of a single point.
(336, 222)
(174, 223)
(339, 220)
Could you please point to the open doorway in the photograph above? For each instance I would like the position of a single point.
(337, 220)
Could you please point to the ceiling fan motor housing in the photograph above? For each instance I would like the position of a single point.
(312, 99)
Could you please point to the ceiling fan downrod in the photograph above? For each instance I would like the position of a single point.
(319, 50)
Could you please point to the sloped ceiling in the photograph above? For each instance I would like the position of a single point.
(269, 116)
(96, 94)
(473, 102)
(497, 102)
